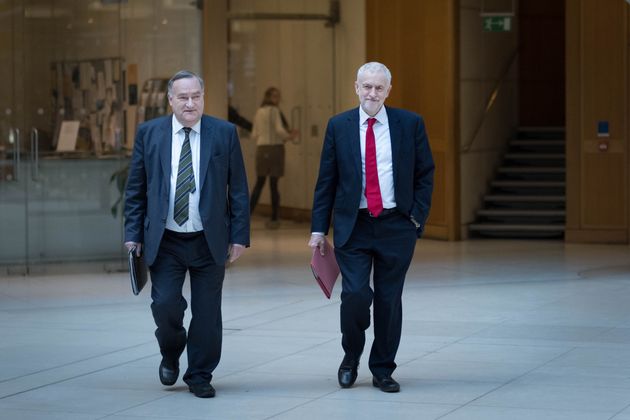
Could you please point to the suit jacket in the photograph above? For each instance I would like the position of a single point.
(223, 199)
(339, 189)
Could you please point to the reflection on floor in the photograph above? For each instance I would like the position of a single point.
(492, 330)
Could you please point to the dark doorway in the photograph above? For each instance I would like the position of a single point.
(541, 63)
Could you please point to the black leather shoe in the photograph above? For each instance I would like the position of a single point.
(347, 373)
(202, 390)
(168, 373)
(386, 384)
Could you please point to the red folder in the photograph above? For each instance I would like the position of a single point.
(325, 268)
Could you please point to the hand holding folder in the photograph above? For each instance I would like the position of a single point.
(325, 268)
(137, 271)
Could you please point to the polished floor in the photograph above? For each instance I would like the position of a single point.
(492, 330)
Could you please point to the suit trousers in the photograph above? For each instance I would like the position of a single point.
(178, 254)
(384, 245)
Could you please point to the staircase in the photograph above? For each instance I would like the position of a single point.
(527, 197)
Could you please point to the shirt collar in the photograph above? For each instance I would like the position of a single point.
(381, 115)
(177, 126)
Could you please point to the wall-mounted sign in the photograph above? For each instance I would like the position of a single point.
(68, 136)
(603, 129)
(497, 23)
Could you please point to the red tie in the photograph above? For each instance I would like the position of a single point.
(372, 189)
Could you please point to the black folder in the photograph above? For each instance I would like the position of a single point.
(137, 271)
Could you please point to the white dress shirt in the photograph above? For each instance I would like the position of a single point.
(193, 224)
(383, 157)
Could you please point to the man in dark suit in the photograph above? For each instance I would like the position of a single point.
(376, 176)
(187, 208)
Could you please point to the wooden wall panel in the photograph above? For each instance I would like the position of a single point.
(423, 61)
(597, 90)
(604, 182)
(439, 202)
(573, 118)
(603, 46)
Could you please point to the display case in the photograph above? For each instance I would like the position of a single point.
(153, 99)
(92, 93)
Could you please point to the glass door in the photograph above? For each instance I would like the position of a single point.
(77, 78)
(289, 45)
(71, 120)
(13, 247)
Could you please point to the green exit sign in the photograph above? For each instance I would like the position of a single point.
(497, 23)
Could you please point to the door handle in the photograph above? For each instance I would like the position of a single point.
(34, 154)
(296, 123)
(15, 133)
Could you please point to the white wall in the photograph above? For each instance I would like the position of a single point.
(483, 56)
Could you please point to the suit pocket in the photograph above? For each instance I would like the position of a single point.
(219, 161)
(340, 200)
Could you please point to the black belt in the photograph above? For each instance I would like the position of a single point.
(383, 213)
(183, 235)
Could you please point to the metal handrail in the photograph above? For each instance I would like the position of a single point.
(17, 147)
(491, 100)
(35, 153)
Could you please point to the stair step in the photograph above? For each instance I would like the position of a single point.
(532, 169)
(526, 198)
(528, 184)
(500, 227)
(521, 213)
(535, 156)
(537, 129)
(541, 133)
(536, 142)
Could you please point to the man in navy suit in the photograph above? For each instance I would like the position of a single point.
(187, 209)
(376, 178)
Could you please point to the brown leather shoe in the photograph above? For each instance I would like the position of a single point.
(386, 384)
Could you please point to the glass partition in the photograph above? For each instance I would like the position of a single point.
(289, 45)
(78, 76)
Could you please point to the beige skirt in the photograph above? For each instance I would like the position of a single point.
(270, 160)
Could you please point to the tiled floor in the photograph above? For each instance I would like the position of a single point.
(492, 330)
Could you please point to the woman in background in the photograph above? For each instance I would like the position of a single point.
(270, 132)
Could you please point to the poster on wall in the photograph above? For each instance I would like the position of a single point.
(68, 136)
(88, 93)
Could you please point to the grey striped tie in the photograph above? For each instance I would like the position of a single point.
(185, 181)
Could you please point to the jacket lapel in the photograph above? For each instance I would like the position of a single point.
(165, 138)
(395, 135)
(355, 140)
(205, 149)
